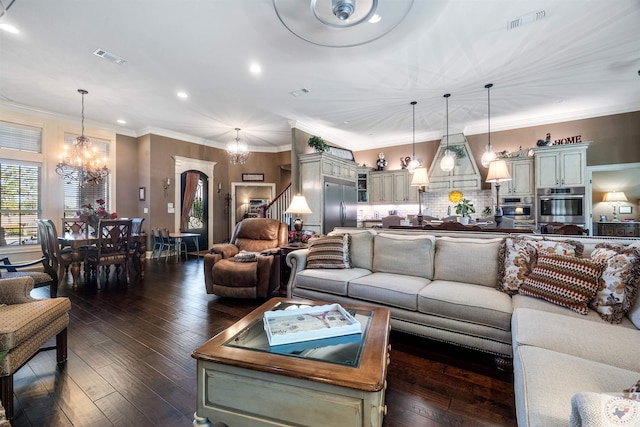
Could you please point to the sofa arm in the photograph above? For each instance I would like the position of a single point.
(297, 261)
(16, 290)
(226, 250)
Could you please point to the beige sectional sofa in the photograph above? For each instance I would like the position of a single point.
(443, 286)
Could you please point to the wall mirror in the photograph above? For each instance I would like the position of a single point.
(246, 200)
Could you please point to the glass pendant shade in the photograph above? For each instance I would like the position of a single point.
(487, 157)
(413, 164)
(448, 161)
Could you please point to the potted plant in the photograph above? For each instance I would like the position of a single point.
(318, 144)
(464, 208)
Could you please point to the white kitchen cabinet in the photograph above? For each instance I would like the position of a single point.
(522, 178)
(392, 187)
(561, 165)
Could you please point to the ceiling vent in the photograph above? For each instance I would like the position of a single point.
(109, 56)
(526, 19)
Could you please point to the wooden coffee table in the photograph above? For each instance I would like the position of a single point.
(242, 381)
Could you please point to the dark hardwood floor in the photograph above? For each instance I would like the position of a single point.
(130, 362)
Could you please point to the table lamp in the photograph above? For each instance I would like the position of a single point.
(298, 206)
(615, 197)
(498, 173)
(420, 179)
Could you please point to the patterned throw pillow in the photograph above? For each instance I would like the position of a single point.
(633, 393)
(567, 281)
(329, 252)
(619, 282)
(518, 256)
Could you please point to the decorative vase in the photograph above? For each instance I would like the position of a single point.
(464, 219)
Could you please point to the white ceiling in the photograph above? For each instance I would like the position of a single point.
(582, 60)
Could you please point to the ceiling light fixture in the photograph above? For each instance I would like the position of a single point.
(448, 161)
(237, 152)
(341, 23)
(488, 155)
(182, 95)
(81, 164)
(3, 13)
(414, 163)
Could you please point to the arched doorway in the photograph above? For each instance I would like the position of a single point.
(185, 164)
(198, 216)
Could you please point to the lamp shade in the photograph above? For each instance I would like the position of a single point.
(498, 171)
(615, 196)
(420, 177)
(298, 206)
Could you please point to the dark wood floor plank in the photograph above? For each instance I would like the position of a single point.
(130, 362)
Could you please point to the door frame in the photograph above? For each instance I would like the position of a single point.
(589, 186)
(232, 207)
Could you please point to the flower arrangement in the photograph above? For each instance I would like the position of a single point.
(93, 215)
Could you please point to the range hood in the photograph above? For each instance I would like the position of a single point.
(465, 174)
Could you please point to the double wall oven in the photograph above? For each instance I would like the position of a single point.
(565, 205)
(520, 210)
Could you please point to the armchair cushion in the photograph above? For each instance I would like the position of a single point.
(16, 290)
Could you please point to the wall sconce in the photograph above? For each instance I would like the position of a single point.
(219, 187)
(166, 183)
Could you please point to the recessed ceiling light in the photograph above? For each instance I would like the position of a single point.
(9, 28)
(182, 95)
(375, 19)
(122, 122)
(255, 68)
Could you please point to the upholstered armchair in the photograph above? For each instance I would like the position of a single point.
(26, 324)
(227, 276)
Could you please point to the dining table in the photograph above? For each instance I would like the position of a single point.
(179, 235)
(78, 241)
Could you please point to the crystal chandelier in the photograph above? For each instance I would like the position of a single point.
(80, 164)
(237, 151)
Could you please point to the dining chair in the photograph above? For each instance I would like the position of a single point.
(112, 248)
(49, 260)
(157, 242)
(135, 243)
(173, 245)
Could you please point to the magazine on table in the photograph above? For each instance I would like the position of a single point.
(309, 323)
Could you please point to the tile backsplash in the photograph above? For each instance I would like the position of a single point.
(433, 204)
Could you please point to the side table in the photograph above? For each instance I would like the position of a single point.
(285, 271)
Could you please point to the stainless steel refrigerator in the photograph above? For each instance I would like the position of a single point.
(340, 204)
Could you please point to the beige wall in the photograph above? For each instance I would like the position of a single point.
(148, 160)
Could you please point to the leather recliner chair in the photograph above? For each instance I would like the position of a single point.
(226, 277)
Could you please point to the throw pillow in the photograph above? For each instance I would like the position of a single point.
(16, 290)
(245, 256)
(329, 252)
(567, 281)
(518, 255)
(633, 393)
(590, 409)
(619, 282)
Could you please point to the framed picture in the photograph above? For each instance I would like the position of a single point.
(142, 193)
(256, 177)
(625, 209)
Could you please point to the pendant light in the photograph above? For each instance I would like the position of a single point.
(488, 155)
(414, 162)
(81, 163)
(448, 161)
(237, 151)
